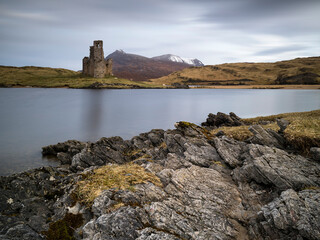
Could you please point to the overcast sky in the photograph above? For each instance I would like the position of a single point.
(58, 33)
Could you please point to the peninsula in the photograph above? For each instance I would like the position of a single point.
(230, 178)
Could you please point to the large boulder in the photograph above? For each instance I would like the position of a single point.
(197, 203)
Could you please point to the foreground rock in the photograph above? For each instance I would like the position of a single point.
(212, 188)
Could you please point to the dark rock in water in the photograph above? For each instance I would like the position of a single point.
(64, 158)
(315, 153)
(222, 119)
(180, 85)
(70, 146)
(96, 85)
(64, 151)
(212, 188)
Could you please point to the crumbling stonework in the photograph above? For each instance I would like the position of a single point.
(95, 65)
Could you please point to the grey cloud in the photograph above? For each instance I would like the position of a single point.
(279, 50)
(83, 13)
(273, 16)
(192, 28)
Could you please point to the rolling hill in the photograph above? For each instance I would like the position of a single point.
(297, 71)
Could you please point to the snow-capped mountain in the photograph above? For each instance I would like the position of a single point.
(140, 68)
(175, 58)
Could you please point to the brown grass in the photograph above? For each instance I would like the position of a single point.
(242, 133)
(58, 77)
(303, 132)
(316, 86)
(244, 73)
(118, 177)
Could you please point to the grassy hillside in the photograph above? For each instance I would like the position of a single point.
(58, 77)
(297, 71)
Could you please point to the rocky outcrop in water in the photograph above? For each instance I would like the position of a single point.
(222, 119)
(212, 188)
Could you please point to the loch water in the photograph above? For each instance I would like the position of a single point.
(34, 117)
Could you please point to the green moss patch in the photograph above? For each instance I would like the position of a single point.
(63, 229)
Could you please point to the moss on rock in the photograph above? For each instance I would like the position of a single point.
(63, 229)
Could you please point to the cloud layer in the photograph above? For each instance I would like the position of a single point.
(58, 33)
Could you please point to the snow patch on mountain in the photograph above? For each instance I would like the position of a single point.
(175, 58)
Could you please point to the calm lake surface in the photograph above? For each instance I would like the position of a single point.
(33, 117)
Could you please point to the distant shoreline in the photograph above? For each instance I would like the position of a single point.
(260, 87)
(40, 77)
(296, 87)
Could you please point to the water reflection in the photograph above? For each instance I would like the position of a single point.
(92, 113)
(33, 118)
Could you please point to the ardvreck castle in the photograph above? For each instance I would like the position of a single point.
(95, 65)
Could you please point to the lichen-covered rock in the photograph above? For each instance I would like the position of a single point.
(27, 201)
(266, 137)
(294, 215)
(198, 203)
(153, 234)
(21, 231)
(266, 165)
(121, 224)
(203, 204)
(229, 150)
(106, 150)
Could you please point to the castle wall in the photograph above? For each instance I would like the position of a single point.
(85, 66)
(95, 65)
(98, 58)
(91, 62)
(109, 63)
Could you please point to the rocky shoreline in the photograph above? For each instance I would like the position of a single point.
(212, 187)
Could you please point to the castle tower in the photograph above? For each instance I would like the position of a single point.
(95, 65)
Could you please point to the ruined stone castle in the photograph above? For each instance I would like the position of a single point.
(95, 65)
